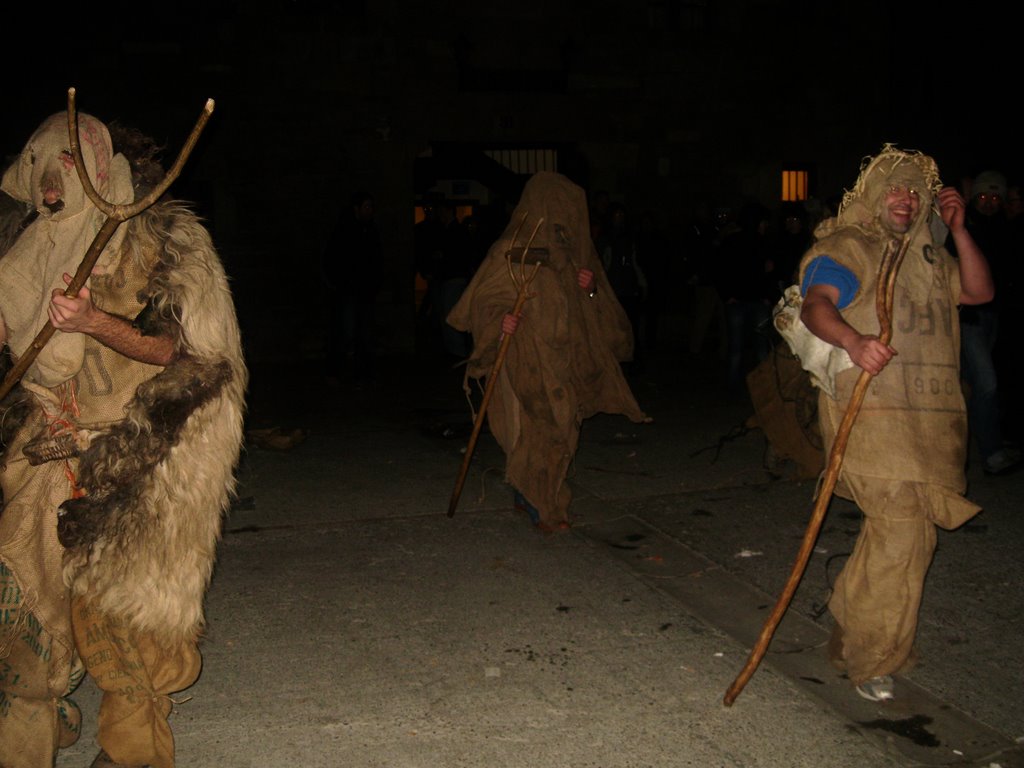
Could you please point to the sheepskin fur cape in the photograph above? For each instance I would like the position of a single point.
(163, 443)
(562, 364)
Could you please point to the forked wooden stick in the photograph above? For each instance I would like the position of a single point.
(116, 215)
(885, 290)
(524, 284)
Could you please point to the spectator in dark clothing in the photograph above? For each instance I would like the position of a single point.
(425, 237)
(1011, 321)
(353, 271)
(654, 257)
(746, 286)
(600, 223)
(449, 274)
(790, 244)
(699, 257)
(619, 258)
(979, 325)
(478, 241)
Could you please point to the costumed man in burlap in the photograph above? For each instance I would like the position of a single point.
(904, 463)
(120, 445)
(563, 363)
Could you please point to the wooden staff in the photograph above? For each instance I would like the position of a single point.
(116, 214)
(884, 293)
(521, 297)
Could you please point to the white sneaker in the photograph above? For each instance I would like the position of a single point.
(1002, 461)
(878, 689)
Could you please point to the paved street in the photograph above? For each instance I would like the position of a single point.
(353, 623)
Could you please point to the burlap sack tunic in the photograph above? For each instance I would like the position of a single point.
(563, 363)
(904, 464)
(38, 666)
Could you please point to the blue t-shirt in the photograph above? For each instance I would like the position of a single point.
(823, 270)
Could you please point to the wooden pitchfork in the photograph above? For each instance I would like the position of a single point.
(885, 290)
(116, 214)
(522, 283)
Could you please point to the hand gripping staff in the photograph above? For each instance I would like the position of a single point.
(522, 282)
(116, 214)
(885, 290)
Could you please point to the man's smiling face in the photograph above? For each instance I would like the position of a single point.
(900, 206)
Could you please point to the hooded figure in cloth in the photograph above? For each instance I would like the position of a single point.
(563, 363)
(119, 449)
(904, 463)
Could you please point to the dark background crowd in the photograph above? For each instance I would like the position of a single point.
(677, 117)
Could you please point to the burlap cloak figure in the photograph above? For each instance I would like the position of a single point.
(904, 463)
(115, 573)
(563, 362)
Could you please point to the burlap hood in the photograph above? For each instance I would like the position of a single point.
(565, 229)
(59, 237)
(862, 205)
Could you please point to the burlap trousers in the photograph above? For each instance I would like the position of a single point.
(877, 596)
(35, 718)
(137, 676)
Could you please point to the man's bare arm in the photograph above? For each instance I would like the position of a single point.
(80, 315)
(976, 285)
(821, 315)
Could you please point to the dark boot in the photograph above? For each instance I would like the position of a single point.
(522, 505)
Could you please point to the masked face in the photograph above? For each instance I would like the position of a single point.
(45, 172)
(562, 206)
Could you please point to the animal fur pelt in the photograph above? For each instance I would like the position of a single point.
(116, 462)
(141, 543)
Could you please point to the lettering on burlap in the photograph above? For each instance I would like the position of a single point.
(99, 657)
(10, 592)
(33, 638)
(96, 375)
(924, 376)
(10, 597)
(915, 387)
(929, 319)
